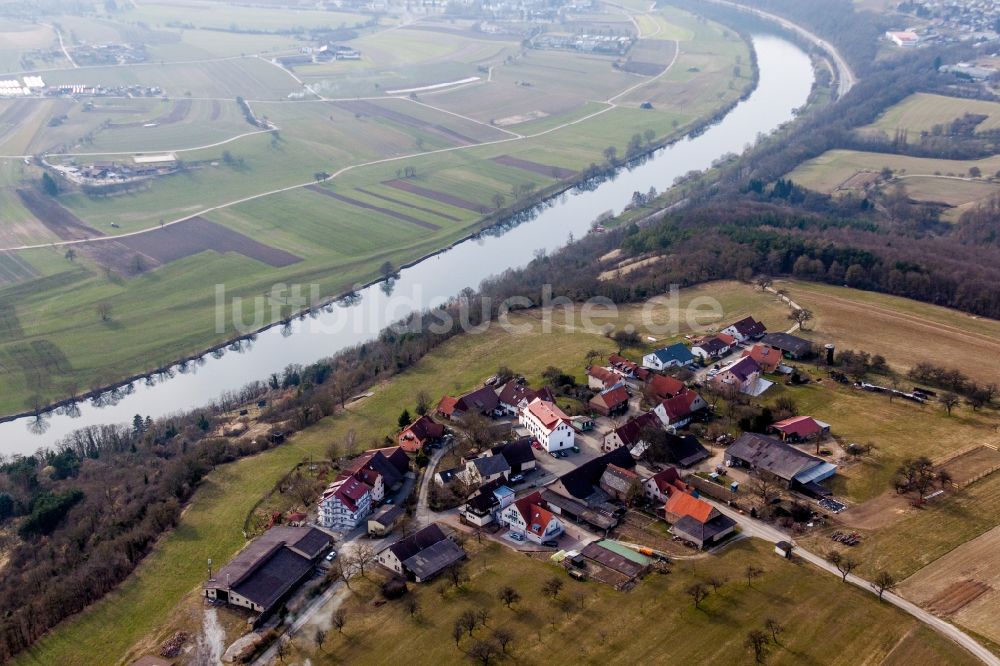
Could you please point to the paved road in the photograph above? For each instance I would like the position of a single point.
(846, 76)
(755, 528)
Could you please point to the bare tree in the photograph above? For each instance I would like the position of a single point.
(775, 628)
(751, 573)
(340, 620)
(483, 652)
(716, 582)
(949, 401)
(281, 650)
(363, 556)
(765, 489)
(845, 565)
(552, 586)
(319, 638)
(468, 620)
(698, 592)
(508, 595)
(483, 615)
(457, 631)
(413, 606)
(104, 311)
(423, 403)
(504, 638)
(456, 574)
(882, 583)
(759, 643)
(800, 316)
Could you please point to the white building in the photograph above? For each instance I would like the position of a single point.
(345, 504)
(548, 424)
(530, 517)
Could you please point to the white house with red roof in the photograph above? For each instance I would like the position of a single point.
(531, 517)
(345, 504)
(745, 329)
(662, 485)
(679, 410)
(548, 424)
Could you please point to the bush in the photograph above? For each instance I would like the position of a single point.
(394, 588)
(47, 510)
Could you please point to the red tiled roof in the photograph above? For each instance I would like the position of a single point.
(630, 432)
(447, 405)
(662, 386)
(540, 518)
(419, 432)
(766, 357)
(803, 426)
(613, 397)
(725, 337)
(679, 406)
(547, 413)
(603, 375)
(682, 504)
(669, 481)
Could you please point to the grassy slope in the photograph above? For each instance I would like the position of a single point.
(826, 172)
(921, 111)
(655, 623)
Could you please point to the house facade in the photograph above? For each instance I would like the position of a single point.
(713, 346)
(741, 374)
(345, 504)
(674, 356)
(630, 433)
(530, 517)
(746, 329)
(548, 424)
(419, 434)
(678, 411)
(611, 402)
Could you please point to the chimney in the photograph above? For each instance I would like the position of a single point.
(829, 353)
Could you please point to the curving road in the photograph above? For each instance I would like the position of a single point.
(761, 530)
(845, 74)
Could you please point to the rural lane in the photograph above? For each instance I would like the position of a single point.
(756, 528)
(846, 77)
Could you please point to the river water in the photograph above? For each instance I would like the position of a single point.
(786, 79)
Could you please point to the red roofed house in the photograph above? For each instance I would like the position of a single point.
(661, 387)
(713, 346)
(767, 358)
(743, 374)
(483, 400)
(420, 433)
(623, 367)
(801, 428)
(680, 409)
(599, 378)
(611, 402)
(515, 395)
(530, 517)
(548, 424)
(619, 483)
(697, 521)
(662, 485)
(629, 434)
(345, 503)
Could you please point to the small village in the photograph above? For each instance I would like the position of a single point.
(644, 474)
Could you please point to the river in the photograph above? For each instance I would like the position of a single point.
(786, 78)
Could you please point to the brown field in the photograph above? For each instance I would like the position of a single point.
(378, 111)
(963, 585)
(376, 195)
(859, 181)
(181, 240)
(534, 167)
(57, 219)
(904, 331)
(973, 464)
(319, 189)
(14, 269)
(441, 197)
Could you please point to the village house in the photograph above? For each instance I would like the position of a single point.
(620, 484)
(345, 503)
(266, 572)
(600, 379)
(422, 555)
(517, 453)
(697, 521)
(625, 368)
(661, 387)
(548, 425)
(795, 468)
(582, 484)
(485, 469)
(530, 517)
(383, 522)
(745, 329)
(419, 434)
(684, 450)
(743, 375)
(630, 433)
(676, 355)
(483, 400)
(611, 402)
(515, 396)
(791, 346)
(713, 346)
(767, 358)
(482, 506)
(800, 429)
(677, 412)
(446, 476)
(362, 485)
(659, 487)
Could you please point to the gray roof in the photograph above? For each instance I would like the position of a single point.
(418, 541)
(612, 560)
(491, 465)
(388, 515)
(432, 560)
(308, 541)
(274, 577)
(702, 532)
(771, 455)
(787, 343)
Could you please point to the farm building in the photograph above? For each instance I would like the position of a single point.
(422, 555)
(791, 346)
(801, 429)
(384, 521)
(796, 468)
(611, 402)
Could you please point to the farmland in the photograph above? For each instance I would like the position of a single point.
(413, 173)
(922, 111)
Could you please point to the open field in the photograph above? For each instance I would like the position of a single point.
(17, 38)
(922, 111)
(962, 585)
(830, 170)
(376, 214)
(846, 619)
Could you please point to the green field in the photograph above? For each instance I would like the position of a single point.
(920, 112)
(533, 105)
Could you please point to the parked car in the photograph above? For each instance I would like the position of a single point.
(554, 454)
(551, 543)
(562, 454)
(535, 444)
(517, 536)
(517, 478)
(390, 501)
(575, 449)
(331, 556)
